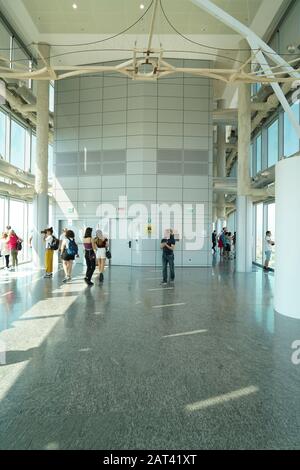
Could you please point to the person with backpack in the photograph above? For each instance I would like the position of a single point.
(48, 239)
(101, 244)
(14, 244)
(69, 250)
(90, 248)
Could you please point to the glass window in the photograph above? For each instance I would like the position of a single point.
(50, 161)
(271, 227)
(259, 233)
(5, 43)
(33, 153)
(291, 140)
(2, 212)
(273, 133)
(51, 97)
(2, 134)
(258, 154)
(17, 145)
(20, 59)
(16, 220)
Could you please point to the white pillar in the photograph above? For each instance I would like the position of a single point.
(221, 162)
(244, 234)
(287, 187)
(220, 224)
(41, 200)
(244, 203)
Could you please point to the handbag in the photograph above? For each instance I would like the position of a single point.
(19, 245)
(108, 254)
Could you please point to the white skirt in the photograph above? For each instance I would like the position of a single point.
(101, 253)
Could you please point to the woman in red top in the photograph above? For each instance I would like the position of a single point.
(12, 243)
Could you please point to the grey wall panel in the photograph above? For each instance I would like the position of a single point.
(67, 84)
(92, 94)
(113, 156)
(92, 119)
(66, 170)
(61, 122)
(196, 156)
(90, 132)
(61, 158)
(149, 141)
(169, 168)
(195, 169)
(117, 104)
(113, 168)
(87, 107)
(89, 169)
(114, 117)
(71, 96)
(91, 157)
(169, 155)
(91, 82)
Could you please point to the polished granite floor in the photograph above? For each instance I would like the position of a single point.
(205, 364)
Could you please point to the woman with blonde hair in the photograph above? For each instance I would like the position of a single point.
(101, 244)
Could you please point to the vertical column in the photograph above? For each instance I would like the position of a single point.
(221, 169)
(244, 202)
(287, 292)
(41, 200)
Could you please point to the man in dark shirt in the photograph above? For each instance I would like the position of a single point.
(168, 245)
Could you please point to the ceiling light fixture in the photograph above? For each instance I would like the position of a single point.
(142, 6)
(74, 6)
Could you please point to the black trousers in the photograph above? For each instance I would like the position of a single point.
(168, 259)
(90, 259)
(7, 260)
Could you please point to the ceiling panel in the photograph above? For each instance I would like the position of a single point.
(110, 16)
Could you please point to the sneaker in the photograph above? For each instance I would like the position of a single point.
(65, 280)
(90, 283)
(46, 275)
(164, 283)
(69, 278)
(101, 277)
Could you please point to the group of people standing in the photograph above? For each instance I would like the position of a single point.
(10, 245)
(226, 242)
(95, 253)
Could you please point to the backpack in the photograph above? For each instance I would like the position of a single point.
(19, 245)
(72, 249)
(54, 244)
